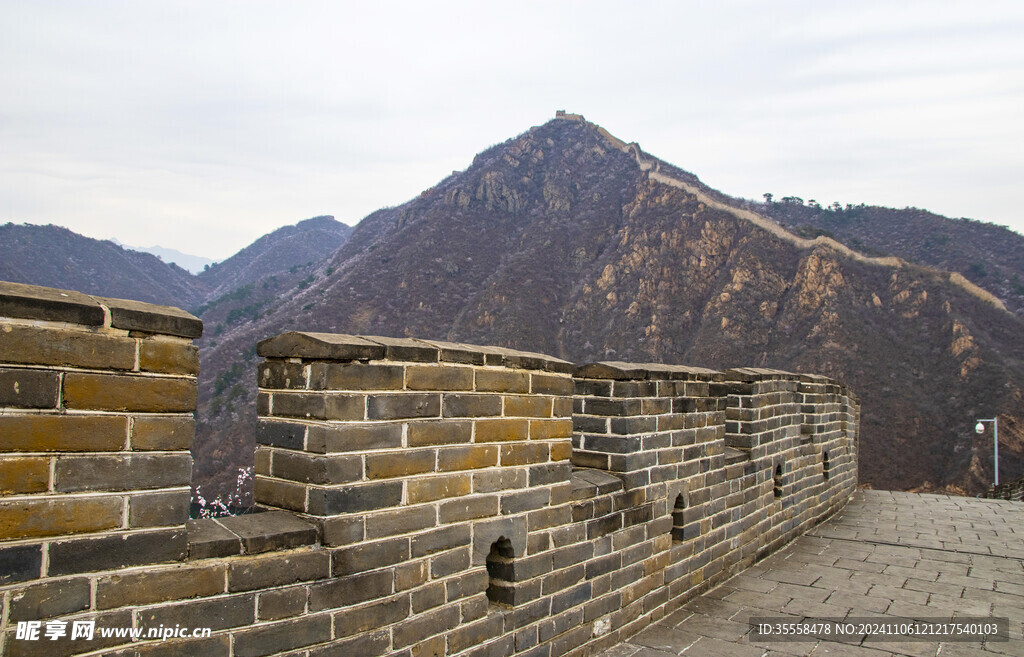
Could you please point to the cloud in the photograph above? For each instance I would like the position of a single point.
(157, 122)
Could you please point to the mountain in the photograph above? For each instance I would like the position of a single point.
(191, 263)
(988, 255)
(248, 284)
(76, 262)
(568, 241)
(303, 244)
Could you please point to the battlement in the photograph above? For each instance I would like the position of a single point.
(568, 116)
(418, 497)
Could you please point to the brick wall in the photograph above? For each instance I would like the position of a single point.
(420, 497)
(1013, 491)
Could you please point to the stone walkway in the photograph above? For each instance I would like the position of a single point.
(887, 554)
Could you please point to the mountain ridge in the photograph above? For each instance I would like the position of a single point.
(559, 241)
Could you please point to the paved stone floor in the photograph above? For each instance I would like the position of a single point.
(887, 554)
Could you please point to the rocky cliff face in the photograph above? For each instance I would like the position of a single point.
(568, 242)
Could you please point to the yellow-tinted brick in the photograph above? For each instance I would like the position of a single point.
(527, 406)
(111, 392)
(52, 346)
(548, 429)
(169, 356)
(57, 517)
(25, 474)
(438, 377)
(436, 488)
(489, 431)
(63, 433)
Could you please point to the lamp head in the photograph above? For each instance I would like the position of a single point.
(979, 428)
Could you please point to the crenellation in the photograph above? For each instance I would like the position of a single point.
(416, 497)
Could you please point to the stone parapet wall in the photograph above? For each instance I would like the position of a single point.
(417, 497)
(96, 402)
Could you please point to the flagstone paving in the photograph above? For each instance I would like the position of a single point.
(886, 555)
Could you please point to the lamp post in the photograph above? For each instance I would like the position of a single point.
(979, 428)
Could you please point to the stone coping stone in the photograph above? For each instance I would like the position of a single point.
(752, 374)
(50, 304)
(588, 482)
(342, 347)
(623, 371)
(733, 455)
(251, 533)
(151, 318)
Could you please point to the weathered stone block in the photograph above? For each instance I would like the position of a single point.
(24, 388)
(343, 530)
(550, 429)
(118, 473)
(353, 437)
(425, 625)
(280, 494)
(527, 406)
(524, 500)
(400, 521)
(369, 556)
(439, 377)
(63, 433)
(31, 518)
(120, 550)
(272, 570)
(344, 591)
(441, 432)
(319, 346)
(488, 380)
(49, 600)
(524, 453)
(490, 481)
(217, 614)
(356, 376)
(168, 356)
(468, 508)
(546, 384)
(402, 406)
(37, 345)
(425, 598)
(281, 375)
(24, 474)
(150, 318)
(476, 634)
(142, 588)
(303, 468)
(270, 531)
(47, 303)
(400, 464)
(383, 613)
(470, 405)
(436, 488)
(372, 644)
(353, 499)
(282, 636)
(20, 563)
(276, 604)
(552, 473)
(469, 457)
(500, 430)
(162, 433)
(318, 406)
(111, 392)
(612, 407)
(159, 509)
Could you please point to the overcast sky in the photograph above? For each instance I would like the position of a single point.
(202, 125)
